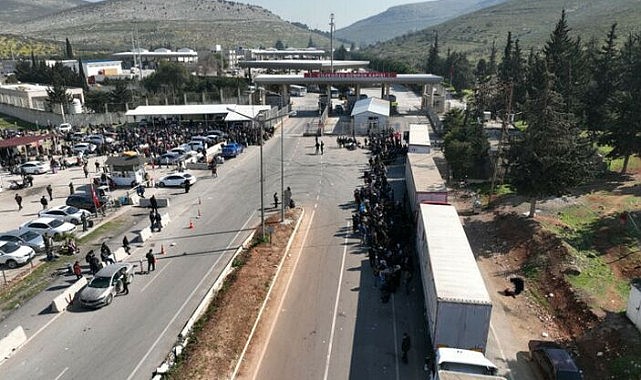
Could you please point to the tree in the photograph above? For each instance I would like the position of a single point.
(120, 95)
(341, 53)
(69, 49)
(81, 74)
(310, 43)
(552, 157)
(603, 83)
(433, 64)
(465, 145)
(57, 94)
(279, 45)
(623, 132)
(170, 77)
(491, 66)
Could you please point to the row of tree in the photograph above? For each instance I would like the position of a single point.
(573, 96)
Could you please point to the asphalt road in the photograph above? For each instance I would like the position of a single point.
(129, 338)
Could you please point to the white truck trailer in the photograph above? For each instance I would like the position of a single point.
(458, 304)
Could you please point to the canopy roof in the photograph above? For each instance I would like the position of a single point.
(234, 112)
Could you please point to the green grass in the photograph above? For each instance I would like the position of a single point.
(107, 227)
(596, 278)
(627, 367)
(8, 122)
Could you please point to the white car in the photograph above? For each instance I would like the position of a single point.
(99, 139)
(64, 128)
(54, 227)
(84, 148)
(176, 180)
(34, 167)
(12, 254)
(65, 213)
(28, 238)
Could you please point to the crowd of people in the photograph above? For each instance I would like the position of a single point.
(380, 220)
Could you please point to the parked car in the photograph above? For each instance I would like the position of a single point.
(170, 158)
(232, 150)
(34, 167)
(12, 254)
(222, 135)
(64, 128)
(99, 139)
(553, 361)
(198, 146)
(176, 180)
(28, 238)
(213, 139)
(104, 286)
(77, 136)
(84, 201)
(84, 148)
(52, 226)
(69, 214)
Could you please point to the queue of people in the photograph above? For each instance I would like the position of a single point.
(381, 222)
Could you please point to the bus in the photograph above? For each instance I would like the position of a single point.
(296, 90)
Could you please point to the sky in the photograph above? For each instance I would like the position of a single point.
(315, 14)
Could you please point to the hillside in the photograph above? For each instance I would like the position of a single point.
(198, 24)
(408, 18)
(531, 21)
(16, 11)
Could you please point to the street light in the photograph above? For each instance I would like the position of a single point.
(262, 191)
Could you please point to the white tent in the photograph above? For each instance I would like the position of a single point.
(370, 114)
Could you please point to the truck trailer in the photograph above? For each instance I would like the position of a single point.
(458, 304)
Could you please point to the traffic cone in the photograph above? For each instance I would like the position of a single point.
(191, 225)
(162, 249)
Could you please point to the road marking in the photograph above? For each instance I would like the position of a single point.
(187, 299)
(284, 296)
(398, 376)
(338, 295)
(155, 277)
(61, 373)
(498, 343)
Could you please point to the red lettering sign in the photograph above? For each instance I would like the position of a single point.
(351, 75)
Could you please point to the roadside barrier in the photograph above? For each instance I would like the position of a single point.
(63, 300)
(11, 343)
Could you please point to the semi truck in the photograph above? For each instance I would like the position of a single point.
(458, 304)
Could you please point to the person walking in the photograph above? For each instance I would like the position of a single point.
(153, 203)
(77, 270)
(214, 171)
(158, 221)
(317, 146)
(83, 220)
(124, 279)
(71, 189)
(152, 220)
(187, 185)
(50, 191)
(85, 170)
(151, 261)
(125, 245)
(275, 200)
(322, 146)
(44, 202)
(18, 199)
(48, 241)
(97, 165)
(406, 344)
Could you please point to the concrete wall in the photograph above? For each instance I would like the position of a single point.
(42, 118)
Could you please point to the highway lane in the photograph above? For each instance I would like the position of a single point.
(129, 338)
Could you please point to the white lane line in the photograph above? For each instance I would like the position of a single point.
(398, 376)
(61, 373)
(283, 297)
(338, 295)
(498, 343)
(39, 331)
(164, 331)
(155, 277)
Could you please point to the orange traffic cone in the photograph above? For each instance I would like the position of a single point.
(191, 225)
(162, 249)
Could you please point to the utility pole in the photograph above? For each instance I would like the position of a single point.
(331, 42)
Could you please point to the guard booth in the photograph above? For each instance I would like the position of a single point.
(127, 170)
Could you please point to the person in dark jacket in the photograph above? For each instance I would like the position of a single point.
(151, 261)
(406, 344)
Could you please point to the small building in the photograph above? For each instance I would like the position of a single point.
(33, 96)
(419, 141)
(126, 170)
(370, 115)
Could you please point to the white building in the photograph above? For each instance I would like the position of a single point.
(370, 114)
(32, 96)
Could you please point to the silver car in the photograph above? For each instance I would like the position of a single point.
(102, 289)
(28, 238)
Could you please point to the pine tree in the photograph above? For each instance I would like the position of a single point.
(82, 75)
(623, 132)
(552, 157)
(491, 66)
(310, 43)
(433, 64)
(505, 67)
(69, 50)
(603, 83)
